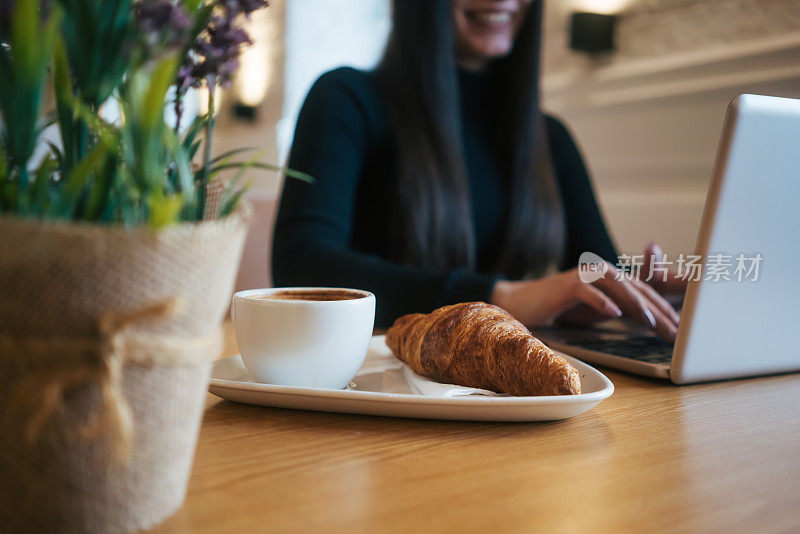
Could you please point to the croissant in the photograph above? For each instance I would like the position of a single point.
(480, 345)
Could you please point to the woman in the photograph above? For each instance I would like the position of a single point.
(439, 180)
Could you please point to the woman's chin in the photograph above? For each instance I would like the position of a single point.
(486, 50)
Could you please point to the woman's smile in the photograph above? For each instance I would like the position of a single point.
(486, 29)
(491, 19)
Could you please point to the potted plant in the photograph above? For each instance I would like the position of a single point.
(119, 244)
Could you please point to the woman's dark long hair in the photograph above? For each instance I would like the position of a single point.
(418, 75)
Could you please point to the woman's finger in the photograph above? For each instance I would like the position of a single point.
(658, 301)
(626, 297)
(662, 323)
(665, 327)
(596, 299)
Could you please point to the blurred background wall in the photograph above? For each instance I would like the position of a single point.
(647, 116)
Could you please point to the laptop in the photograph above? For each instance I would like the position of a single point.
(731, 325)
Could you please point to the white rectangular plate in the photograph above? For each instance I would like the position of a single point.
(381, 388)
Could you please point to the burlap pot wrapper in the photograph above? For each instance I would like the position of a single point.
(106, 335)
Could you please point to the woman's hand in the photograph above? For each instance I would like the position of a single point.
(565, 296)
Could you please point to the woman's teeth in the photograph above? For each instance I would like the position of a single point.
(496, 17)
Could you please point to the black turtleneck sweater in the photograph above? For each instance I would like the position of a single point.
(335, 231)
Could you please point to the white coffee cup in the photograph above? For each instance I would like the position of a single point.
(290, 341)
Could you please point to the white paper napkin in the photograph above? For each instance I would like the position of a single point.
(380, 359)
(429, 388)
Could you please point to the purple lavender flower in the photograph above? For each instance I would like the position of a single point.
(221, 51)
(214, 55)
(245, 7)
(163, 23)
(216, 51)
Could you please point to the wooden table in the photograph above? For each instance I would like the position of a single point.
(721, 457)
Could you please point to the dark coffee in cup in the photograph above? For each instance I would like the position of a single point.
(313, 295)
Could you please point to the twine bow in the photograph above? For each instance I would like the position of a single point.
(59, 364)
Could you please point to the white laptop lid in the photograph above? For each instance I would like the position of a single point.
(732, 328)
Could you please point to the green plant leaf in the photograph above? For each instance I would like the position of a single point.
(62, 84)
(195, 128)
(182, 168)
(162, 77)
(100, 188)
(67, 204)
(230, 203)
(39, 192)
(164, 209)
(24, 39)
(230, 153)
(194, 148)
(3, 164)
(268, 166)
(99, 38)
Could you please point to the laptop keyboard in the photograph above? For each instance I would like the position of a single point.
(643, 349)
